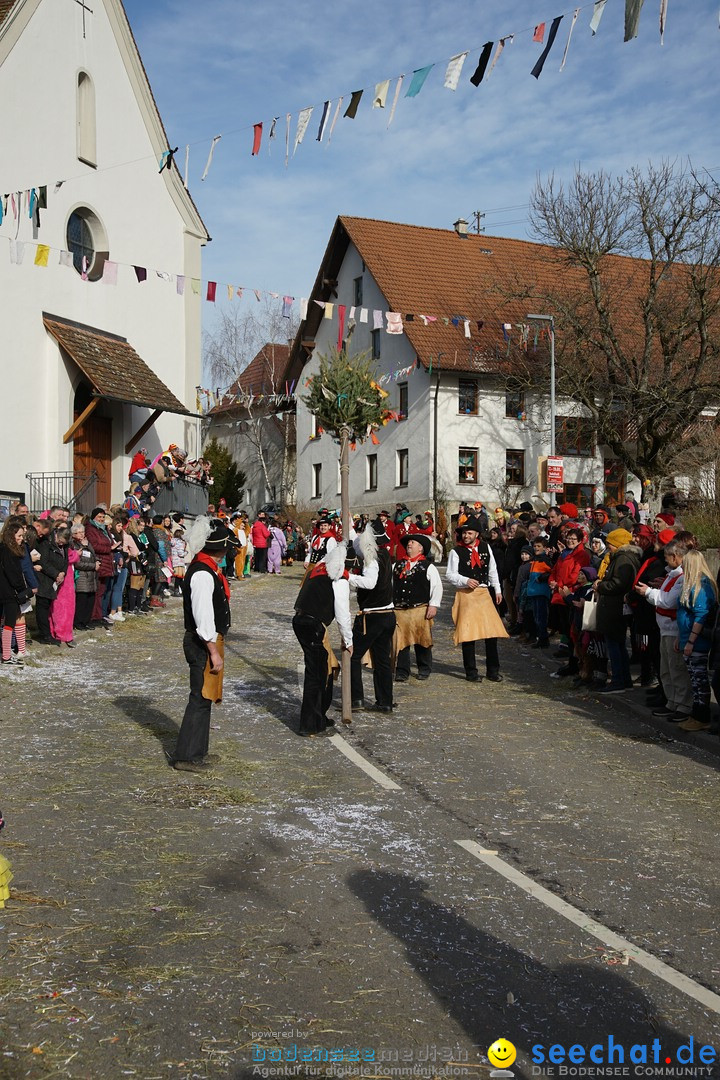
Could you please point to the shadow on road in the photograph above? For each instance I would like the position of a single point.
(471, 973)
(161, 726)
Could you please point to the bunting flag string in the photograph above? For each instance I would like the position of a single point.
(391, 322)
(420, 75)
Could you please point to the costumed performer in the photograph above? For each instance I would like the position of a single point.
(374, 626)
(324, 595)
(417, 595)
(471, 569)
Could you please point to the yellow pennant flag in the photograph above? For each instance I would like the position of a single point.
(41, 256)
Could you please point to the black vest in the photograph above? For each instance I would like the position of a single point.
(413, 588)
(316, 596)
(221, 606)
(319, 552)
(382, 595)
(478, 573)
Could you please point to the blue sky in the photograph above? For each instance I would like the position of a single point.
(218, 66)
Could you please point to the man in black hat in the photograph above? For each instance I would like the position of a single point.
(322, 542)
(206, 609)
(374, 626)
(417, 595)
(471, 569)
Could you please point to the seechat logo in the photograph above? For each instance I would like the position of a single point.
(614, 1053)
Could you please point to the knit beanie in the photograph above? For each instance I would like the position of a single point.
(669, 519)
(569, 509)
(618, 538)
(666, 536)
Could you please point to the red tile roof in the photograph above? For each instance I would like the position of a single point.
(437, 272)
(265, 374)
(112, 366)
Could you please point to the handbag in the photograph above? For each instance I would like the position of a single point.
(589, 617)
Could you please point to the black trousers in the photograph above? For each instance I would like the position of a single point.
(318, 684)
(194, 737)
(373, 632)
(84, 603)
(423, 656)
(260, 558)
(492, 660)
(42, 617)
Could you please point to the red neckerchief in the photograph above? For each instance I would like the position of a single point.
(207, 560)
(670, 581)
(320, 570)
(644, 567)
(407, 565)
(475, 560)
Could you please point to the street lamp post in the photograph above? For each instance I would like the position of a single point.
(549, 319)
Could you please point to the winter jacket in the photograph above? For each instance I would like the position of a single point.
(612, 590)
(260, 534)
(53, 561)
(540, 570)
(566, 569)
(102, 546)
(28, 570)
(700, 609)
(85, 573)
(12, 579)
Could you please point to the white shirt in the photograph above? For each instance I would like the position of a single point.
(341, 592)
(202, 586)
(669, 599)
(455, 578)
(330, 546)
(368, 580)
(436, 589)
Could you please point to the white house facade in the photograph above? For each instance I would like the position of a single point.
(459, 435)
(106, 334)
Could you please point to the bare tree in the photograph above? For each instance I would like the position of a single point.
(634, 285)
(241, 335)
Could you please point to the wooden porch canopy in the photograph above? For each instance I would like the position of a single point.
(115, 372)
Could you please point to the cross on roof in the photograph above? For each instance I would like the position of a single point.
(85, 8)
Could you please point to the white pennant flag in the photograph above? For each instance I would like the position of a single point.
(334, 120)
(452, 72)
(381, 93)
(567, 43)
(303, 121)
(214, 143)
(663, 16)
(597, 14)
(395, 99)
(498, 50)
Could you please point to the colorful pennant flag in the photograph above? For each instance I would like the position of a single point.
(257, 139)
(550, 42)
(418, 80)
(539, 34)
(41, 255)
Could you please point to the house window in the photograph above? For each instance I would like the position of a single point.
(468, 397)
(372, 473)
(402, 400)
(581, 494)
(86, 141)
(87, 241)
(357, 291)
(402, 468)
(574, 436)
(515, 404)
(316, 481)
(376, 344)
(515, 468)
(467, 466)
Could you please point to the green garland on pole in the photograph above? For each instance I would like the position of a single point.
(344, 394)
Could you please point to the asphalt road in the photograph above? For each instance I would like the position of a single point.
(527, 863)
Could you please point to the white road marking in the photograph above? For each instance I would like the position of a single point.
(357, 759)
(591, 926)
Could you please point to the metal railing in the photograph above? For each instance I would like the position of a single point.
(75, 491)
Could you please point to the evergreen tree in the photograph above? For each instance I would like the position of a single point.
(229, 479)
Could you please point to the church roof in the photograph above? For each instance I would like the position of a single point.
(6, 7)
(112, 366)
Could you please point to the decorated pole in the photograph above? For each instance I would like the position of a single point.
(345, 515)
(345, 397)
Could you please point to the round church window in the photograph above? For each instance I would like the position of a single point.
(87, 242)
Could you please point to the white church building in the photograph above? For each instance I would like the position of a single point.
(101, 328)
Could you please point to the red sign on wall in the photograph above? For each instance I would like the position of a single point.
(555, 481)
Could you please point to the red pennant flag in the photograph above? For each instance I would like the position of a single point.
(539, 34)
(212, 286)
(374, 439)
(341, 325)
(257, 139)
